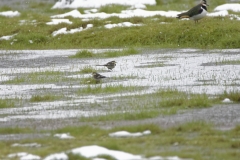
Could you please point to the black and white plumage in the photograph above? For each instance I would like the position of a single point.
(98, 76)
(109, 65)
(196, 13)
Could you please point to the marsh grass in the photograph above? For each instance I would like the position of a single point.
(228, 62)
(107, 54)
(43, 98)
(232, 95)
(15, 130)
(107, 89)
(112, 8)
(39, 78)
(171, 98)
(6, 103)
(124, 115)
(87, 69)
(83, 54)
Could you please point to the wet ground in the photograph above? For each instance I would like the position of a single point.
(190, 70)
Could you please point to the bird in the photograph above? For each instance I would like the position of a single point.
(109, 65)
(196, 13)
(98, 76)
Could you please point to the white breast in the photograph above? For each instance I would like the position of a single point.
(199, 16)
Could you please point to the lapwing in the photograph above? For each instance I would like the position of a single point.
(196, 13)
(109, 65)
(98, 76)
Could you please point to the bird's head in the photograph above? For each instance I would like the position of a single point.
(204, 2)
(94, 73)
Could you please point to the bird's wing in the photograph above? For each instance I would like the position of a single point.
(195, 10)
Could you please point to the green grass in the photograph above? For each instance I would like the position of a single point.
(83, 54)
(43, 98)
(195, 140)
(228, 62)
(232, 95)
(205, 34)
(107, 54)
(87, 70)
(39, 78)
(112, 8)
(107, 89)
(15, 130)
(6, 103)
(163, 102)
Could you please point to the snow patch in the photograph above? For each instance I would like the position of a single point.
(10, 13)
(98, 4)
(128, 134)
(58, 21)
(235, 7)
(64, 136)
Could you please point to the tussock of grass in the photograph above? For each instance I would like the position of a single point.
(171, 98)
(100, 89)
(228, 62)
(42, 98)
(124, 52)
(126, 115)
(87, 69)
(39, 78)
(15, 130)
(112, 8)
(232, 95)
(6, 103)
(83, 54)
(107, 54)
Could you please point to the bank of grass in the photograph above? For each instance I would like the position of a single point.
(195, 140)
(205, 34)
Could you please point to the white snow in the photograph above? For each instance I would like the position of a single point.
(71, 31)
(64, 136)
(98, 3)
(26, 145)
(128, 134)
(91, 152)
(227, 100)
(94, 151)
(7, 37)
(222, 13)
(58, 21)
(74, 13)
(123, 14)
(57, 156)
(10, 13)
(24, 156)
(123, 24)
(229, 6)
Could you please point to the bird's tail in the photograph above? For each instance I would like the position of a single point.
(182, 15)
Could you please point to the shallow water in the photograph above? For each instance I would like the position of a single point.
(190, 70)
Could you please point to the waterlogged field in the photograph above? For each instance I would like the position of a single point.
(183, 96)
(156, 104)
